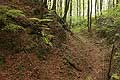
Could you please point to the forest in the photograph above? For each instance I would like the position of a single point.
(59, 40)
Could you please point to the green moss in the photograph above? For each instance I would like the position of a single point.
(15, 13)
(3, 9)
(34, 19)
(12, 27)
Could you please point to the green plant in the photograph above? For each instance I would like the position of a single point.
(15, 13)
(116, 76)
(45, 39)
(12, 27)
(3, 9)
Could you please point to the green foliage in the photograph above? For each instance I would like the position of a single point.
(12, 27)
(108, 24)
(114, 14)
(15, 13)
(45, 39)
(6, 15)
(116, 77)
(3, 9)
(78, 24)
(6, 12)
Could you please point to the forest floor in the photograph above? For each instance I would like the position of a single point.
(97, 57)
(81, 58)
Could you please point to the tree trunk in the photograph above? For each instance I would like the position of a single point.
(101, 5)
(54, 5)
(113, 3)
(88, 15)
(98, 7)
(83, 8)
(77, 10)
(45, 3)
(95, 9)
(71, 13)
(117, 1)
(61, 8)
(66, 9)
(80, 9)
(90, 18)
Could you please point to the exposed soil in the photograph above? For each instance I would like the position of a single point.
(82, 58)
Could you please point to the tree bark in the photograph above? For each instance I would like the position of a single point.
(83, 8)
(80, 9)
(61, 7)
(101, 5)
(117, 1)
(113, 3)
(71, 13)
(54, 5)
(88, 15)
(45, 3)
(90, 18)
(66, 9)
(77, 8)
(95, 9)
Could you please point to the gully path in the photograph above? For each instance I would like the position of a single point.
(96, 56)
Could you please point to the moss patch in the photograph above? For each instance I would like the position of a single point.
(15, 13)
(12, 27)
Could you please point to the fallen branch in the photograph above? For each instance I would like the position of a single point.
(73, 65)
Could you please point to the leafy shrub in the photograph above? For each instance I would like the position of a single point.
(108, 24)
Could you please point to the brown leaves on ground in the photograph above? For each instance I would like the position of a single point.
(88, 57)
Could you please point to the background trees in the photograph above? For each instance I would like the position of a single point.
(81, 12)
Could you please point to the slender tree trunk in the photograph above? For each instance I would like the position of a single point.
(80, 9)
(117, 1)
(66, 9)
(95, 9)
(98, 7)
(57, 6)
(109, 5)
(54, 5)
(61, 8)
(88, 14)
(45, 3)
(77, 9)
(113, 3)
(71, 13)
(83, 8)
(50, 4)
(90, 18)
(101, 5)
